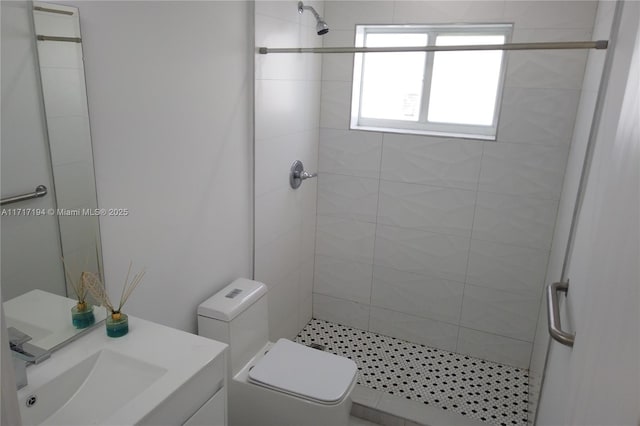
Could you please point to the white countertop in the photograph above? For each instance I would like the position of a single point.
(182, 354)
(44, 316)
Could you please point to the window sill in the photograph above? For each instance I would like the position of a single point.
(424, 133)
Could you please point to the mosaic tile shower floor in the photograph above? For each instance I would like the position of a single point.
(485, 390)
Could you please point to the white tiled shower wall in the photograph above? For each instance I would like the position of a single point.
(287, 111)
(446, 241)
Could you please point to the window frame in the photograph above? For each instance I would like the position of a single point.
(423, 126)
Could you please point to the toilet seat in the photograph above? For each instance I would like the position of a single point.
(304, 372)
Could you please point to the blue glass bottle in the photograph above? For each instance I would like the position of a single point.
(117, 324)
(82, 315)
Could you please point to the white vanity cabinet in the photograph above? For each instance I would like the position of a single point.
(202, 401)
(212, 413)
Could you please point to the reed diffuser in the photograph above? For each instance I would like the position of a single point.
(82, 313)
(117, 323)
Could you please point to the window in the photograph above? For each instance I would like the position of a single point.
(434, 93)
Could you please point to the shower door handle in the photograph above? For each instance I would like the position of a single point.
(297, 174)
(553, 314)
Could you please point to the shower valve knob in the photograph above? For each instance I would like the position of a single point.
(297, 174)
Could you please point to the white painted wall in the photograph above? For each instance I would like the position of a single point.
(30, 244)
(287, 111)
(170, 87)
(445, 241)
(596, 381)
(584, 119)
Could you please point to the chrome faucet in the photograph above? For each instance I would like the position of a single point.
(23, 354)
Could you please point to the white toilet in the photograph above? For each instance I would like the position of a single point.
(282, 383)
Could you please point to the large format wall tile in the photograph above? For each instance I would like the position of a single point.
(429, 208)
(350, 153)
(547, 68)
(64, 92)
(418, 295)
(69, 140)
(500, 312)
(283, 306)
(287, 11)
(537, 115)
(510, 219)
(345, 239)
(276, 258)
(284, 107)
(344, 15)
(438, 12)
(275, 155)
(431, 161)
(338, 66)
(335, 109)
(496, 348)
(276, 214)
(341, 311)
(347, 196)
(414, 329)
(305, 293)
(271, 32)
(436, 255)
(552, 14)
(521, 169)
(343, 279)
(507, 267)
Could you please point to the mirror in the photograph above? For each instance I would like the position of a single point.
(46, 141)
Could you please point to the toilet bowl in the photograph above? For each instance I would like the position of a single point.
(281, 383)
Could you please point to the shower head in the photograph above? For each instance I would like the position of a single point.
(321, 26)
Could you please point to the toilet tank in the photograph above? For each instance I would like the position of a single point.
(237, 315)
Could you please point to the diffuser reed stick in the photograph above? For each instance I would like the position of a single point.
(79, 286)
(97, 290)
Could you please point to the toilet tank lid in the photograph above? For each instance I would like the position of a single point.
(232, 300)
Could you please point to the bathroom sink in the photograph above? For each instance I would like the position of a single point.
(89, 392)
(153, 375)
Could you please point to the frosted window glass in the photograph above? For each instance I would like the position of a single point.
(392, 82)
(464, 85)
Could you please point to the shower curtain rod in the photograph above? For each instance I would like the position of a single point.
(598, 44)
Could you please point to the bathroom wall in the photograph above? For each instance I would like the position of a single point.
(584, 119)
(445, 241)
(287, 111)
(30, 244)
(170, 87)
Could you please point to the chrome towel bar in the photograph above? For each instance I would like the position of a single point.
(553, 314)
(40, 191)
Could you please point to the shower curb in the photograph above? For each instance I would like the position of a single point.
(389, 410)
